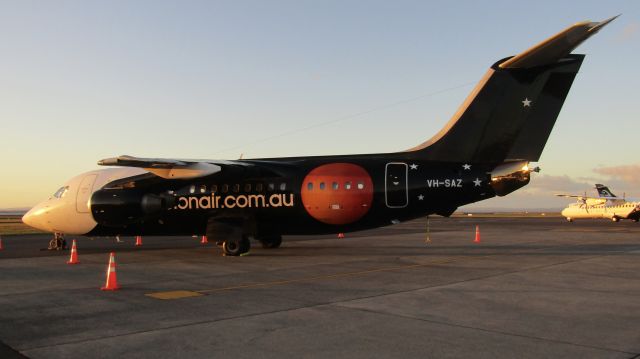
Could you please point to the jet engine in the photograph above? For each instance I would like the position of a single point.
(122, 207)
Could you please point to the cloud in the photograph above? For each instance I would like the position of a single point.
(546, 184)
(627, 175)
(629, 32)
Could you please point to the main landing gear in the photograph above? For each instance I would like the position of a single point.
(269, 242)
(232, 235)
(241, 245)
(236, 246)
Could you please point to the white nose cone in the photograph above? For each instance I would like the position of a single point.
(58, 216)
(35, 218)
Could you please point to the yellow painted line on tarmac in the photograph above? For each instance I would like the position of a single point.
(176, 294)
(329, 276)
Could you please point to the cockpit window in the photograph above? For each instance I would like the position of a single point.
(61, 192)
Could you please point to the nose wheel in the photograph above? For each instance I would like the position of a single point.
(58, 243)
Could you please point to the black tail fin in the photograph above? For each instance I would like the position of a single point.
(603, 191)
(510, 113)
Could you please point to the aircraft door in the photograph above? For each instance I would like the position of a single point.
(396, 185)
(84, 193)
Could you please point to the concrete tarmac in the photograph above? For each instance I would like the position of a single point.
(533, 287)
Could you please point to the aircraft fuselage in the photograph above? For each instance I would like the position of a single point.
(292, 196)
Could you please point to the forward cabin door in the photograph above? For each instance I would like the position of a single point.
(84, 193)
(396, 185)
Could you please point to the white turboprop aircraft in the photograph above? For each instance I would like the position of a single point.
(606, 205)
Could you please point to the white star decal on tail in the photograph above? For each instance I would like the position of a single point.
(466, 166)
(526, 102)
(477, 182)
(413, 166)
(420, 197)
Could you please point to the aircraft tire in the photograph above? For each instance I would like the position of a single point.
(236, 247)
(270, 242)
(569, 219)
(615, 219)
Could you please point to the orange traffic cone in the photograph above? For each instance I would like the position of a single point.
(74, 254)
(204, 240)
(112, 282)
(138, 241)
(477, 240)
(340, 235)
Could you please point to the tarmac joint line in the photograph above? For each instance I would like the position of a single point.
(176, 294)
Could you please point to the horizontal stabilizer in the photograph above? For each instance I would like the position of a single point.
(556, 47)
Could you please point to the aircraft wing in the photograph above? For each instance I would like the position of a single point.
(172, 168)
(571, 196)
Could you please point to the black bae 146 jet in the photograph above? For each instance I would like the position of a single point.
(482, 152)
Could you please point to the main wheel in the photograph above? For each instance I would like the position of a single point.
(236, 247)
(615, 219)
(271, 241)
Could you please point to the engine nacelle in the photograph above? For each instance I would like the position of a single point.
(122, 207)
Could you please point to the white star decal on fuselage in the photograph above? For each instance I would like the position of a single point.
(413, 166)
(466, 166)
(477, 182)
(420, 197)
(526, 102)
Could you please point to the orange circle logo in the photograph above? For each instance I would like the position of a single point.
(337, 193)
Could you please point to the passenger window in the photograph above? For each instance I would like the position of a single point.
(360, 185)
(335, 185)
(214, 188)
(310, 186)
(192, 189)
(236, 188)
(203, 188)
(247, 187)
(322, 185)
(347, 185)
(271, 187)
(259, 187)
(283, 186)
(225, 188)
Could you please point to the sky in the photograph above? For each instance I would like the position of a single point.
(85, 80)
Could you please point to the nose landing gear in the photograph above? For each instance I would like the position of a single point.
(58, 243)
